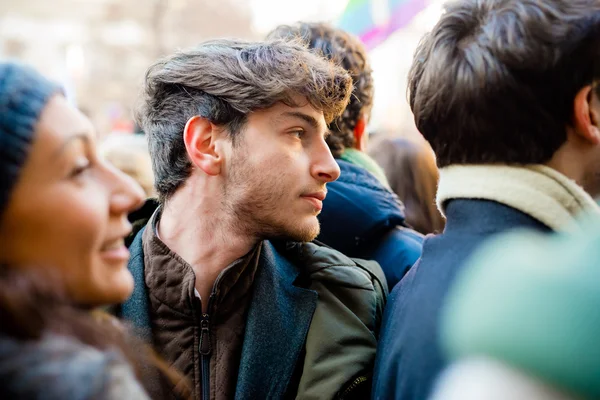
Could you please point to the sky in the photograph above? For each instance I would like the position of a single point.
(267, 14)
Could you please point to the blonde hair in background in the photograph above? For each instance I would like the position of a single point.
(129, 153)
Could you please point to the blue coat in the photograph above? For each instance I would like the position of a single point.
(361, 218)
(408, 356)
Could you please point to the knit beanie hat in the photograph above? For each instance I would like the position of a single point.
(532, 302)
(23, 95)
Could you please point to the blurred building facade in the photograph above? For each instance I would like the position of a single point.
(100, 49)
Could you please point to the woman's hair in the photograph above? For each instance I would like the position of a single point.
(412, 174)
(32, 305)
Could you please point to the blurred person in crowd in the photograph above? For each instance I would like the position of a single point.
(521, 321)
(129, 153)
(361, 216)
(505, 93)
(228, 286)
(63, 218)
(409, 166)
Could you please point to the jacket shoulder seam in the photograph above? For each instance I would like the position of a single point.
(343, 282)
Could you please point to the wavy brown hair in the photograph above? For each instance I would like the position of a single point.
(347, 51)
(224, 81)
(32, 305)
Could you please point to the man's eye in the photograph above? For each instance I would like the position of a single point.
(298, 133)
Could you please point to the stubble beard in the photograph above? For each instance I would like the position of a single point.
(254, 198)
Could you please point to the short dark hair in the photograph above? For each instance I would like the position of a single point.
(349, 52)
(495, 81)
(223, 81)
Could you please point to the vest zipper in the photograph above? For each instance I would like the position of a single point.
(355, 383)
(205, 350)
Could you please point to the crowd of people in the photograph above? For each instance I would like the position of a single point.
(250, 245)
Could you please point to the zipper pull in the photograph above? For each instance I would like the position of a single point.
(205, 347)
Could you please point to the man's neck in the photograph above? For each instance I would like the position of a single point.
(199, 231)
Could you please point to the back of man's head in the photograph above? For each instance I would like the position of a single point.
(347, 51)
(495, 81)
(224, 81)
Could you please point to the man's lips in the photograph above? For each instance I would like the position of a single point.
(316, 199)
(320, 195)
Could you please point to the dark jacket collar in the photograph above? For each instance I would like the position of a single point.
(136, 309)
(473, 216)
(278, 320)
(357, 208)
(165, 269)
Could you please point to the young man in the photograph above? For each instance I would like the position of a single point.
(361, 216)
(227, 286)
(505, 93)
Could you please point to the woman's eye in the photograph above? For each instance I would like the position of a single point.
(82, 166)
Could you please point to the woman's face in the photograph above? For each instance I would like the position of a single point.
(68, 210)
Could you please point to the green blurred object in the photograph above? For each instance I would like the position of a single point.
(362, 159)
(533, 303)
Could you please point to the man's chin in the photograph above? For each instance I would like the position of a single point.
(298, 233)
(307, 236)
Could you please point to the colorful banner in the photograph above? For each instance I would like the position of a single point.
(374, 20)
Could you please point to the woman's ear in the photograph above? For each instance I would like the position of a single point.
(199, 136)
(587, 115)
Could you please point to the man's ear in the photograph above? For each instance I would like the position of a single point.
(199, 136)
(587, 115)
(360, 135)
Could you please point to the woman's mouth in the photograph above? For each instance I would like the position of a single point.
(115, 251)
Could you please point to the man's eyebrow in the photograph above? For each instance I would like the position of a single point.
(84, 137)
(305, 117)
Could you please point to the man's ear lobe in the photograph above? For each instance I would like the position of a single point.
(586, 115)
(199, 136)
